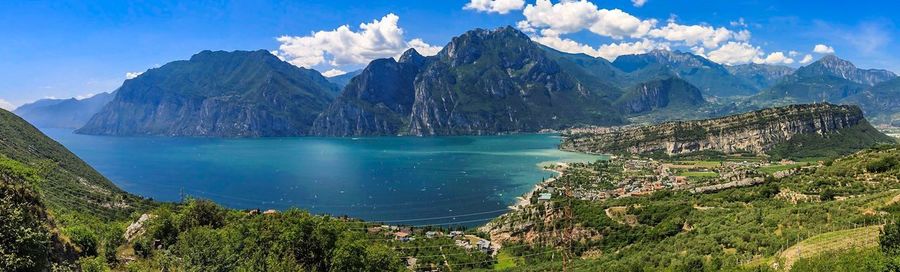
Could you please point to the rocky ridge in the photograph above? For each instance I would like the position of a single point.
(755, 132)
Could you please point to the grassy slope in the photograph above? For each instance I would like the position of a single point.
(830, 242)
(68, 182)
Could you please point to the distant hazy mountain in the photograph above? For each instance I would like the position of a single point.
(831, 65)
(829, 79)
(482, 82)
(593, 71)
(342, 80)
(710, 77)
(672, 93)
(230, 94)
(881, 102)
(761, 76)
(63, 113)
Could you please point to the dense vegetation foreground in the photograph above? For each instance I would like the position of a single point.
(826, 214)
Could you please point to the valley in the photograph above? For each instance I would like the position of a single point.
(510, 148)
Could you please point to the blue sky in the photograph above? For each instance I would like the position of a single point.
(68, 49)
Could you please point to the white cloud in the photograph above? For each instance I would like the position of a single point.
(743, 35)
(423, 48)
(708, 36)
(607, 51)
(777, 58)
(823, 49)
(638, 3)
(573, 16)
(614, 50)
(333, 73)
(549, 22)
(85, 96)
(343, 46)
(566, 45)
(735, 53)
(806, 59)
(6, 105)
(495, 6)
(130, 75)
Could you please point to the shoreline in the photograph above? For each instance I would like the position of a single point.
(524, 201)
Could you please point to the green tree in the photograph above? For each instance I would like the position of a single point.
(890, 244)
(202, 212)
(204, 249)
(84, 238)
(24, 239)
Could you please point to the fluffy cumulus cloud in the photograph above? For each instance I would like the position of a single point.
(566, 45)
(777, 58)
(613, 50)
(573, 16)
(733, 53)
(638, 3)
(806, 59)
(549, 23)
(495, 6)
(344, 46)
(130, 75)
(6, 105)
(607, 51)
(823, 49)
(690, 35)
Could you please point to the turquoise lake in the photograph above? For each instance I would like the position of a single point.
(464, 180)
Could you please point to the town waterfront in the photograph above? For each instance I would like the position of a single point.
(465, 180)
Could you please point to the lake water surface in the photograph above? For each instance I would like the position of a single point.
(465, 180)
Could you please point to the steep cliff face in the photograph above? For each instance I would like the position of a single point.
(482, 82)
(376, 102)
(657, 94)
(226, 94)
(756, 132)
(489, 81)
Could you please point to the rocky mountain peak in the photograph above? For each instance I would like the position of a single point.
(411, 56)
(469, 46)
(834, 64)
(831, 65)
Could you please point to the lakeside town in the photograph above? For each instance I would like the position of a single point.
(635, 176)
(601, 180)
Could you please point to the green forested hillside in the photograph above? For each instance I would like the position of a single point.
(67, 181)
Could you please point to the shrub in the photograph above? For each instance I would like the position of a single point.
(882, 165)
(85, 239)
(201, 212)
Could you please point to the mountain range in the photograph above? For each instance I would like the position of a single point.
(481, 82)
(69, 113)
